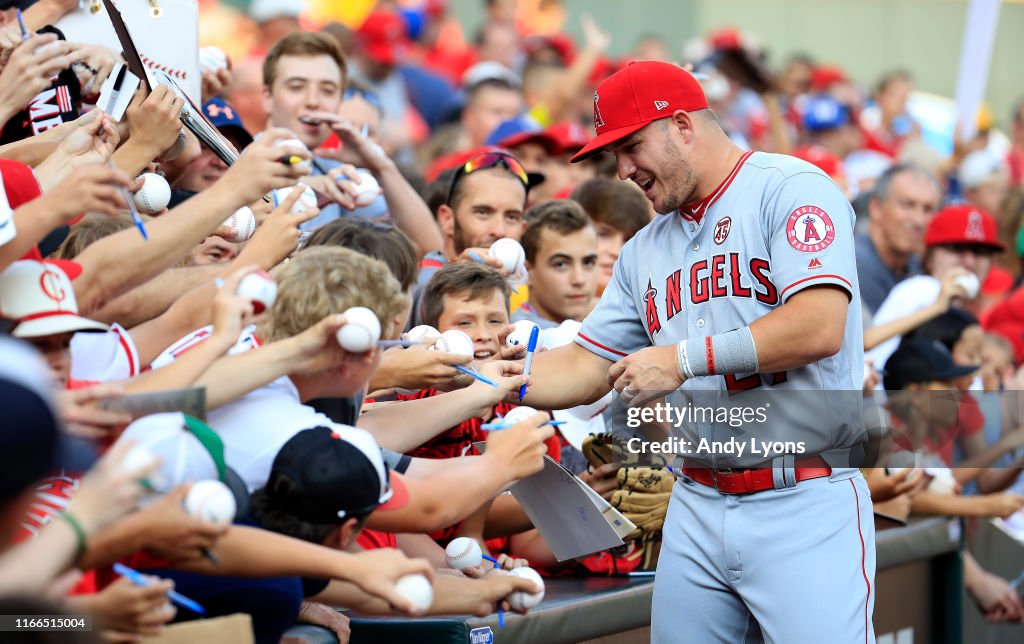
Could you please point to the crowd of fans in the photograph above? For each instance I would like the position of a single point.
(352, 470)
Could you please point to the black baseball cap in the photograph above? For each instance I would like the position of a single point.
(918, 360)
(326, 475)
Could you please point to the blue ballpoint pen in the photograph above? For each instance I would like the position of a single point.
(530, 348)
(21, 23)
(139, 580)
(479, 376)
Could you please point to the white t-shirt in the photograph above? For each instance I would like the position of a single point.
(909, 296)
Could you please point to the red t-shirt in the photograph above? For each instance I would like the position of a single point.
(969, 421)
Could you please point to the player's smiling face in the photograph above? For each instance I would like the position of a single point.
(653, 158)
(481, 318)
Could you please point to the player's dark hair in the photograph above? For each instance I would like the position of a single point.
(476, 280)
(306, 44)
(564, 216)
(613, 203)
(375, 239)
(947, 328)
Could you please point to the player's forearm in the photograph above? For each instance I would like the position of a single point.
(566, 377)
(408, 210)
(807, 328)
(389, 423)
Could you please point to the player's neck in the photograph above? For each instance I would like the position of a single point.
(719, 164)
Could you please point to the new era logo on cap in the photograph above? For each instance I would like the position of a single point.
(660, 105)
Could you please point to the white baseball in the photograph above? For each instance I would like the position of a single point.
(521, 600)
(212, 58)
(463, 552)
(259, 288)
(521, 335)
(303, 166)
(518, 414)
(970, 283)
(943, 484)
(417, 589)
(368, 189)
(510, 252)
(361, 330)
(211, 501)
(244, 222)
(154, 195)
(422, 333)
(455, 341)
(306, 202)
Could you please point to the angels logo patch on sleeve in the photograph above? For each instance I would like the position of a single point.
(810, 230)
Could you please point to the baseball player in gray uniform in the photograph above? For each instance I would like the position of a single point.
(746, 282)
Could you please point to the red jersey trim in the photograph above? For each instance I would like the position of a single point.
(129, 352)
(431, 263)
(601, 346)
(696, 211)
(817, 277)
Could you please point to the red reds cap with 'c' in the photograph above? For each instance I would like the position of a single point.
(963, 224)
(643, 92)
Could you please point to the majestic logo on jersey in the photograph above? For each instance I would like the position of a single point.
(598, 121)
(49, 282)
(810, 230)
(814, 264)
(651, 305)
(722, 229)
(660, 105)
(975, 228)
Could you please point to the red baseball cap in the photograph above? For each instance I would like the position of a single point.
(568, 136)
(963, 224)
(643, 92)
(384, 37)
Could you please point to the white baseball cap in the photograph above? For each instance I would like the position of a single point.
(40, 298)
(980, 167)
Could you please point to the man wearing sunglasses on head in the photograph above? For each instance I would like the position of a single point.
(485, 199)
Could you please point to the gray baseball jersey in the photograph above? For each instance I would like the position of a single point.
(775, 226)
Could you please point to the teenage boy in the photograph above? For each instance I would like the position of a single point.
(560, 243)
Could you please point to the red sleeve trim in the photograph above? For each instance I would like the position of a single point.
(709, 350)
(601, 346)
(818, 277)
(431, 263)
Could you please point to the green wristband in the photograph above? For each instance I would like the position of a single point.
(78, 530)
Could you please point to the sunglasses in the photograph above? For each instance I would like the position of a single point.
(486, 161)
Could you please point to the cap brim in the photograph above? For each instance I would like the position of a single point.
(605, 139)
(956, 371)
(55, 324)
(399, 493)
(542, 138)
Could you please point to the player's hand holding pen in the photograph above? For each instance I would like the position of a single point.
(653, 371)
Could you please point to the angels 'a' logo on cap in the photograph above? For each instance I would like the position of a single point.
(598, 121)
(660, 105)
(975, 227)
(50, 284)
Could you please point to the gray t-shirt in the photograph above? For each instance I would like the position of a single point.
(876, 279)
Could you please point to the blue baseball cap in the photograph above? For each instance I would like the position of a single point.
(225, 118)
(519, 130)
(823, 112)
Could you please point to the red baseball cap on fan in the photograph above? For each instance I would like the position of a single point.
(963, 224)
(644, 92)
